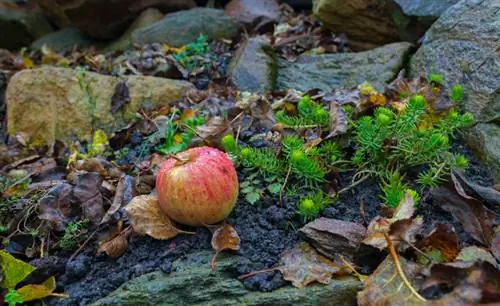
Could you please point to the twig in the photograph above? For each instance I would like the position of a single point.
(238, 134)
(83, 245)
(361, 180)
(348, 264)
(284, 185)
(257, 272)
(397, 263)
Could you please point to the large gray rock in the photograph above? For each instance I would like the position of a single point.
(258, 15)
(64, 39)
(425, 8)
(253, 67)
(20, 26)
(52, 104)
(181, 28)
(331, 71)
(372, 23)
(462, 45)
(484, 140)
(145, 19)
(193, 283)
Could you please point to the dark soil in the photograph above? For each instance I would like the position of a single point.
(266, 230)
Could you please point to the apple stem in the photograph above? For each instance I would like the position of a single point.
(180, 160)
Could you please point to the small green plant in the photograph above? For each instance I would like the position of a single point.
(252, 188)
(13, 298)
(189, 57)
(456, 93)
(178, 133)
(436, 79)
(390, 143)
(309, 114)
(311, 205)
(75, 233)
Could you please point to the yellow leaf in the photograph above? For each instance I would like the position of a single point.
(177, 138)
(36, 292)
(27, 62)
(99, 143)
(13, 270)
(169, 49)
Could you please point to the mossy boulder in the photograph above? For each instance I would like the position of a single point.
(52, 104)
(193, 283)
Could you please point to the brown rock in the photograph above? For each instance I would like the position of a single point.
(258, 15)
(63, 104)
(106, 19)
(332, 236)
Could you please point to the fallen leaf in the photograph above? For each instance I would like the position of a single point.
(303, 266)
(386, 287)
(99, 143)
(35, 292)
(405, 210)
(375, 233)
(406, 230)
(213, 130)
(224, 238)
(123, 196)
(88, 194)
(121, 97)
(476, 219)
(116, 245)
(13, 270)
(338, 120)
(147, 218)
(441, 244)
(487, 194)
(58, 207)
(99, 165)
(473, 253)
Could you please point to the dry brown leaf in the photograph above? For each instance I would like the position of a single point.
(115, 247)
(147, 218)
(224, 238)
(123, 196)
(338, 120)
(386, 287)
(213, 130)
(476, 219)
(303, 266)
(444, 241)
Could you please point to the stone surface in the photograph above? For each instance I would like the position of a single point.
(425, 8)
(20, 26)
(253, 67)
(64, 39)
(299, 4)
(331, 236)
(146, 18)
(258, 15)
(181, 28)
(462, 45)
(332, 71)
(372, 23)
(193, 283)
(106, 19)
(52, 103)
(484, 140)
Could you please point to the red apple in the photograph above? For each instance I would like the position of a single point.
(198, 186)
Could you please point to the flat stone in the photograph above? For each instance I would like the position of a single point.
(193, 283)
(253, 67)
(332, 236)
(54, 104)
(181, 28)
(332, 71)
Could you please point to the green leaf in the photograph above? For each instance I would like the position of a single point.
(252, 197)
(274, 188)
(14, 270)
(248, 189)
(12, 298)
(245, 184)
(35, 292)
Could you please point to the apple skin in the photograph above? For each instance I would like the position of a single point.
(198, 186)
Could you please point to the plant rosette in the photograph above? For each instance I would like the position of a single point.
(198, 186)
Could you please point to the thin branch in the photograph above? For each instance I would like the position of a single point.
(397, 263)
(284, 185)
(257, 272)
(83, 245)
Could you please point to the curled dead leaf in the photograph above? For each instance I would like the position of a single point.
(224, 238)
(115, 247)
(147, 218)
(441, 244)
